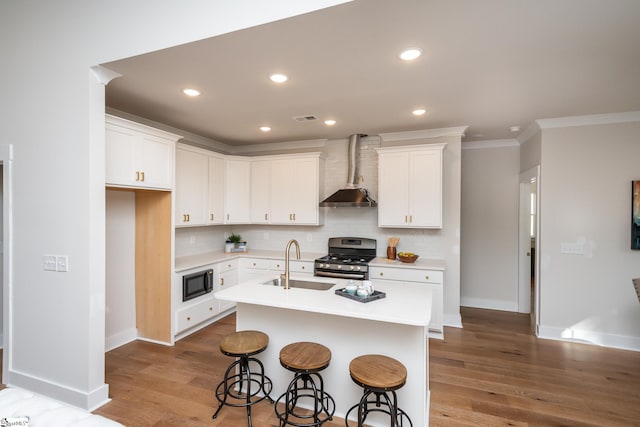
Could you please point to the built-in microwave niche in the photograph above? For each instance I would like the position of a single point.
(197, 284)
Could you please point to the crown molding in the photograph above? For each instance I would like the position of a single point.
(426, 133)
(278, 146)
(493, 143)
(529, 132)
(589, 120)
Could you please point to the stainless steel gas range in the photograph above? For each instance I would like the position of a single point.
(348, 258)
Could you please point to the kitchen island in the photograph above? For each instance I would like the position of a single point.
(396, 326)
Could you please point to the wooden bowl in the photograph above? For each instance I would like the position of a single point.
(408, 258)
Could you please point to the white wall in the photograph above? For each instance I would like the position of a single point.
(586, 174)
(490, 194)
(52, 112)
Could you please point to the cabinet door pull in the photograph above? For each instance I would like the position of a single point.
(227, 217)
(222, 281)
(266, 217)
(302, 267)
(210, 308)
(189, 318)
(410, 218)
(211, 216)
(294, 217)
(137, 176)
(142, 176)
(426, 277)
(381, 274)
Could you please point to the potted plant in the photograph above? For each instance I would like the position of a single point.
(235, 243)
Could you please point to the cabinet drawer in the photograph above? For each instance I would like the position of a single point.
(195, 314)
(406, 275)
(258, 263)
(227, 265)
(301, 266)
(277, 265)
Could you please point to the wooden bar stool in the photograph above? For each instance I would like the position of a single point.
(380, 376)
(305, 360)
(239, 376)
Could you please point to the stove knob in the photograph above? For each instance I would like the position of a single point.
(358, 268)
(352, 267)
(339, 267)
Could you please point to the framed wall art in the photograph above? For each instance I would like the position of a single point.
(635, 215)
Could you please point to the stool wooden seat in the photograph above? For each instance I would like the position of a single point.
(305, 360)
(380, 376)
(244, 343)
(244, 383)
(305, 357)
(377, 371)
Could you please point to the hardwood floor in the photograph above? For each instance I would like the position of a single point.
(490, 373)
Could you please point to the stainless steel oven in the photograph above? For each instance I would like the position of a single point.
(348, 258)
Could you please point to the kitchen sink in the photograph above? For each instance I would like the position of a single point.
(302, 284)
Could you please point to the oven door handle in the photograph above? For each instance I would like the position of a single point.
(340, 275)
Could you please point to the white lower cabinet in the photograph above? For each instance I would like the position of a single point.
(253, 268)
(227, 277)
(431, 278)
(196, 313)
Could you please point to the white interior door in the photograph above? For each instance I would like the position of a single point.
(528, 234)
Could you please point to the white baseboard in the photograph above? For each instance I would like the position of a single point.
(453, 320)
(589, 337)
(489, 304)
(89, 400)
(119, 339)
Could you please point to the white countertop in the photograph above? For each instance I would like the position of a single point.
(199, 260)
(406, 304)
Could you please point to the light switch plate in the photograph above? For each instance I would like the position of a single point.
(49, 262)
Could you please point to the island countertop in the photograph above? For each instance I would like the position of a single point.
(405, 303)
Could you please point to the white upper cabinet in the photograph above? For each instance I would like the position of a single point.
(237, 190)
(215, 213)
(138, 156)
(191, 187)
(199, 187)
(410, 186)
(260, 192)
(286, 189)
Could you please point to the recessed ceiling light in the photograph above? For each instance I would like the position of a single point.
(410, 54)
(419, 112)
(330, 122)
(191, 92)
(265, 128)
(278, 78)
(514, 128)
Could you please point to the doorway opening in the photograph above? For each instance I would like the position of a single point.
(529, 255)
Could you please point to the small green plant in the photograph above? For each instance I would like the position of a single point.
(235, 238)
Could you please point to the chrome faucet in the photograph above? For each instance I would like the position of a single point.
(286, 260)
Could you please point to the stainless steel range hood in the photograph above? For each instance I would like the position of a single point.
(351, 196)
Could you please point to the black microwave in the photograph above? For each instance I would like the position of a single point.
(196, 284)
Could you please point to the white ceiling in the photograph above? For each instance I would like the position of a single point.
(488, 65)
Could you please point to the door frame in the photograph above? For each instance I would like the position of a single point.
(6, 159)
(524, 246)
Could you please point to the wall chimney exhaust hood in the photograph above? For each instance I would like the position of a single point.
(351, 196)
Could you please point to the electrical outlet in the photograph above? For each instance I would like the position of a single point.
(62, 263)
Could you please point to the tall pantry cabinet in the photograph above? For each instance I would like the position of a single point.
(140, 161)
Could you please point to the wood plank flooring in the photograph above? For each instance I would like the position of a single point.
(490, 373)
